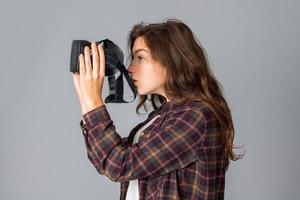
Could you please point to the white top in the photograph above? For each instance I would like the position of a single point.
(133, 188)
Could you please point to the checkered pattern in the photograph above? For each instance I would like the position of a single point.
(179, 156)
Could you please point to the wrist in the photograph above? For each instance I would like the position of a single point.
(92, 105)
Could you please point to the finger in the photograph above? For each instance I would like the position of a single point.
(82, 70)
(87, 60)
(96, 63)
(102, 60)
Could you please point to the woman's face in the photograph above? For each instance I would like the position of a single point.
(148, 75)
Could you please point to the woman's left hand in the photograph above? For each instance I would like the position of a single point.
(89, 82)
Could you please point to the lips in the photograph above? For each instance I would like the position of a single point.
(132, 79)
(134, 82)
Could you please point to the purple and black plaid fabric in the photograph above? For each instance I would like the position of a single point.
(178, 156)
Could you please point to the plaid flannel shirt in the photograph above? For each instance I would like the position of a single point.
(178, 156)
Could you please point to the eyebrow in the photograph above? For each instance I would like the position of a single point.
(140, 50)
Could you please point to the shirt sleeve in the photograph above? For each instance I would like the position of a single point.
(171, 147)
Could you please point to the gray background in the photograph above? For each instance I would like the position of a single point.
(253, 47)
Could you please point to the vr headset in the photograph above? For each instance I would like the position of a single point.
(113, 63)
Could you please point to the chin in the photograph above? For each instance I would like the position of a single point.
(141, 92)
(148, 91)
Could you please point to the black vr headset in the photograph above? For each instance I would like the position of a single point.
(113, 63)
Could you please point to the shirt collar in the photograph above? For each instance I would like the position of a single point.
(166, 107)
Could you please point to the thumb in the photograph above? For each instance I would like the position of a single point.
(76, 80)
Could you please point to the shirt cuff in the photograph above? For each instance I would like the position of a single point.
(95, 116)
(83, 127)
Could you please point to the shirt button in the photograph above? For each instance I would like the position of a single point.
(142, 133)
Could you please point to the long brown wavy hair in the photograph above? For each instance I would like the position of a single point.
(189, 77)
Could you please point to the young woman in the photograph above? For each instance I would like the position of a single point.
(183, 149)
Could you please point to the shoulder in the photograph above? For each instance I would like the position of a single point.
(195, 107)
(192, 114)
(189, 112)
